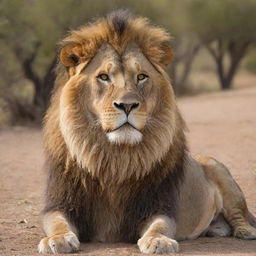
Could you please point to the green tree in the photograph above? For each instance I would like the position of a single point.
(30, 33)
(227, 29)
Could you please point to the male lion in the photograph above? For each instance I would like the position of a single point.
(119, 169)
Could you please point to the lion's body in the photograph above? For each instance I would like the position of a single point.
(197, 204)
(119, 169)
(108, 214)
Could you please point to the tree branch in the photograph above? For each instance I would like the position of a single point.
(27, 62)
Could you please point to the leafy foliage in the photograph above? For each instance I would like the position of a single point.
(31, 29)
(227, 29)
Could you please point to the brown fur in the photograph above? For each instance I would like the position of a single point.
(119, 29)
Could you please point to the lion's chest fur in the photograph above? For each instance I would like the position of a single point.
(107, 216)
(115, 211)
(105, 209)
(112, 212)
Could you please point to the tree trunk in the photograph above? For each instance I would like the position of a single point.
(42, 86)
(236, 50)
(180, 80)
(48, 82)
(183, 81)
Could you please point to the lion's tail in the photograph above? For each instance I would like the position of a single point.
(252, 219)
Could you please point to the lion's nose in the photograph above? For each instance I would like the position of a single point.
(126, 107)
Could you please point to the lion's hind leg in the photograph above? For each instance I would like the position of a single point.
(219, 228)
(234, 209)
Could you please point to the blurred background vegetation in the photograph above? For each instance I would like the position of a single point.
(213, 41)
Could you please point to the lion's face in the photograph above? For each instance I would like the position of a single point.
(119, 93)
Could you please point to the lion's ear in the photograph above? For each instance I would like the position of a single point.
(168, 54)
(71, 55)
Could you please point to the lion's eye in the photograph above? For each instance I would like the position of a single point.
(141, 77)
(103, 77)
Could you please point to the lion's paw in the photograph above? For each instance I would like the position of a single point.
(158, 245)
(63, 243)
(245, 232)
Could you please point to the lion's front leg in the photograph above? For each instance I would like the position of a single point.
(157, 234)
(61, 236)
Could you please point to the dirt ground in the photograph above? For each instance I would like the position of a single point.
(220, 124)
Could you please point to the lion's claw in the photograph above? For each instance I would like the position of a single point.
(63, 243)
(158, 245)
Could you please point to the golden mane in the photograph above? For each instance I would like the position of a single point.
(119, 29)
(70, 140)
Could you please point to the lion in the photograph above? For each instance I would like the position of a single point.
(118, 162)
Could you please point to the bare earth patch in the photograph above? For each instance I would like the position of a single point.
(220, 124)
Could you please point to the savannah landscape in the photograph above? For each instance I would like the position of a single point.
(217, 105)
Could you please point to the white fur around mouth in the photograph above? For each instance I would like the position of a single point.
(125, 135)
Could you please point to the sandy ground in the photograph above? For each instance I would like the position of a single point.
(220, 124)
